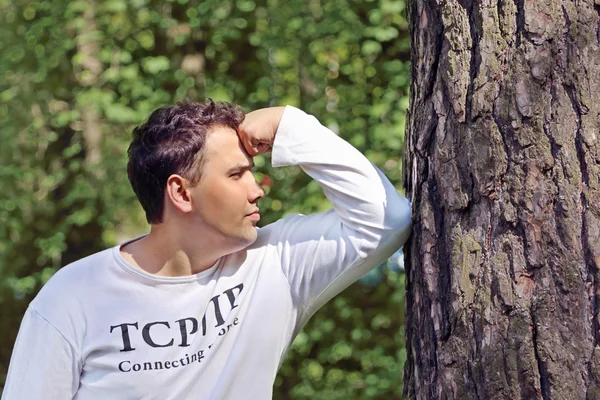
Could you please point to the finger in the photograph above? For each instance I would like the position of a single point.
(253, 147)
(258, 148)
(247, 142)
(264, 148)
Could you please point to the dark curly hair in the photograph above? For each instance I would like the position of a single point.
(172, 142)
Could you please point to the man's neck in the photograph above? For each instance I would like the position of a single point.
(160, 253)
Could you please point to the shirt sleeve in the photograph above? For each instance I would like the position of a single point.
(43, 364)
(322, 254)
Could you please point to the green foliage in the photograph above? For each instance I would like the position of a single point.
(351, 349)
(76, 76)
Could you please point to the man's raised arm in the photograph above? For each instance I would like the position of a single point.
(324, 253)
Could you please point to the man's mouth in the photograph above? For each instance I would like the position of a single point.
(254, 216)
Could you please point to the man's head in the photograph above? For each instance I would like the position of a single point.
(189, 157)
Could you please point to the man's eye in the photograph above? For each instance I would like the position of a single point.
(236, 175)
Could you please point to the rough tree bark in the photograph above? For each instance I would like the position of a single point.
(503, 168)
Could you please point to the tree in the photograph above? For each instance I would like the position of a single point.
(503, 169)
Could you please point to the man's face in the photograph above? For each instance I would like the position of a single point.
(225, 199)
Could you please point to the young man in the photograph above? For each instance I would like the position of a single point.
(205, 306)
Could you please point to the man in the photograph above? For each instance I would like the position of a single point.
(205, 306)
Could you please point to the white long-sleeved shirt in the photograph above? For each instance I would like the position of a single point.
(103, 329)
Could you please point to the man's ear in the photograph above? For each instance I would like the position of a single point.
(177, 192)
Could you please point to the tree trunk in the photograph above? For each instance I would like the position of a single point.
(88, 73)
(503, 170)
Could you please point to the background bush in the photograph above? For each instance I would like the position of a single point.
(76, 76)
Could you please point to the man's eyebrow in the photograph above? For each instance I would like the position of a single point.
(241, 167)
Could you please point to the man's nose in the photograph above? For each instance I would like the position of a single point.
(256, 192)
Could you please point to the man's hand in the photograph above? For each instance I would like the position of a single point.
(257, 132)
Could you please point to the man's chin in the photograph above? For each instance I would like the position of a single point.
(245, 239)
(252, 236)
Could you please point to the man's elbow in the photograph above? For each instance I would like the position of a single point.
(398, 219)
